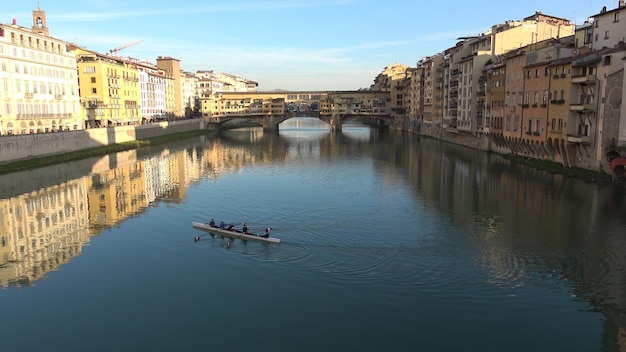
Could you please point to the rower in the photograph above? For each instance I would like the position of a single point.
(222, 225)
(231, 227)
(245, 229)
(267, 232)
(212, 223)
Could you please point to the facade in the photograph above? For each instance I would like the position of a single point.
(109, 88)
(495, 97)
(608, 28)
(431, 89)
(382, 82)
(513, 98)
(173, 92)
(153, 86)
(416, 96)
(39, 85)
(464, 110)
(188, 83)
(400, 96)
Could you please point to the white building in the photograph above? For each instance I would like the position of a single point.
(608, 28)
(39, 80)
(152, 83)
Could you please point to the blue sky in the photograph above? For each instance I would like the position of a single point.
(286, 44)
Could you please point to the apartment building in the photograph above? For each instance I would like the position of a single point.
(173, 93)
(382, 82)
(189, 99)
(109, 89)
(495, 97)
(430, 89)
(39, 85)
(608, 28)
(513, 98)
(153, 87)
(466, 61)
(399, 92)
(416, 97)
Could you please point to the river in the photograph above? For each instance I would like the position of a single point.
(389, 242)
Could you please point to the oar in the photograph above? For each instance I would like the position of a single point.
(197, 238)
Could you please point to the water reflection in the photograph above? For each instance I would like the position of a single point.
(530, 228)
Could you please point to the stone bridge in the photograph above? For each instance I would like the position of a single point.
(269, 109)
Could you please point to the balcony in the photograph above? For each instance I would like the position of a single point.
(584, 79)
(578, 139)
(581, 107)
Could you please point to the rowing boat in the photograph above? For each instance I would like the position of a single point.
(233, 234)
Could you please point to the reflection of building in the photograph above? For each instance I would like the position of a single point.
(41, 230)
(38, 74)
(116, 194)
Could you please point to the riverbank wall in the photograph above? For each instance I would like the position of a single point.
(23, 147)
(559, 154)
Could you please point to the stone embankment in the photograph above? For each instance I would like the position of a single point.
(29, 146)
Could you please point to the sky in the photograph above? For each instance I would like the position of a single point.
(293, 45)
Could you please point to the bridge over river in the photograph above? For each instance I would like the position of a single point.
(269, 109)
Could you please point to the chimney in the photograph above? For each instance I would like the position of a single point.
(621, 3)
(14, 22)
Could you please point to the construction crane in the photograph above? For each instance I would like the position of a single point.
(116, 51)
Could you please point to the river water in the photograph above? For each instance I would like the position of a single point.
(390, 242)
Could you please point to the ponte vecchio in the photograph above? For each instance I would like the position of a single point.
(269, 109)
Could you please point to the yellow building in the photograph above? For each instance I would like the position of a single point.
(558, 109)
(39, 89)
(109, 89)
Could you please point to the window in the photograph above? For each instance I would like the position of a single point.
(616, 17)
(94, 90)
(606, 35)
(93, 79)
(90, 69)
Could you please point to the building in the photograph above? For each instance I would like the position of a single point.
(153, 87)
(109, 89)
(466, 61)
(608, 28)
(173, 92)
(190, 101)
(39, 84)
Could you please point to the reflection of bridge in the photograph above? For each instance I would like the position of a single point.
(269, 109)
